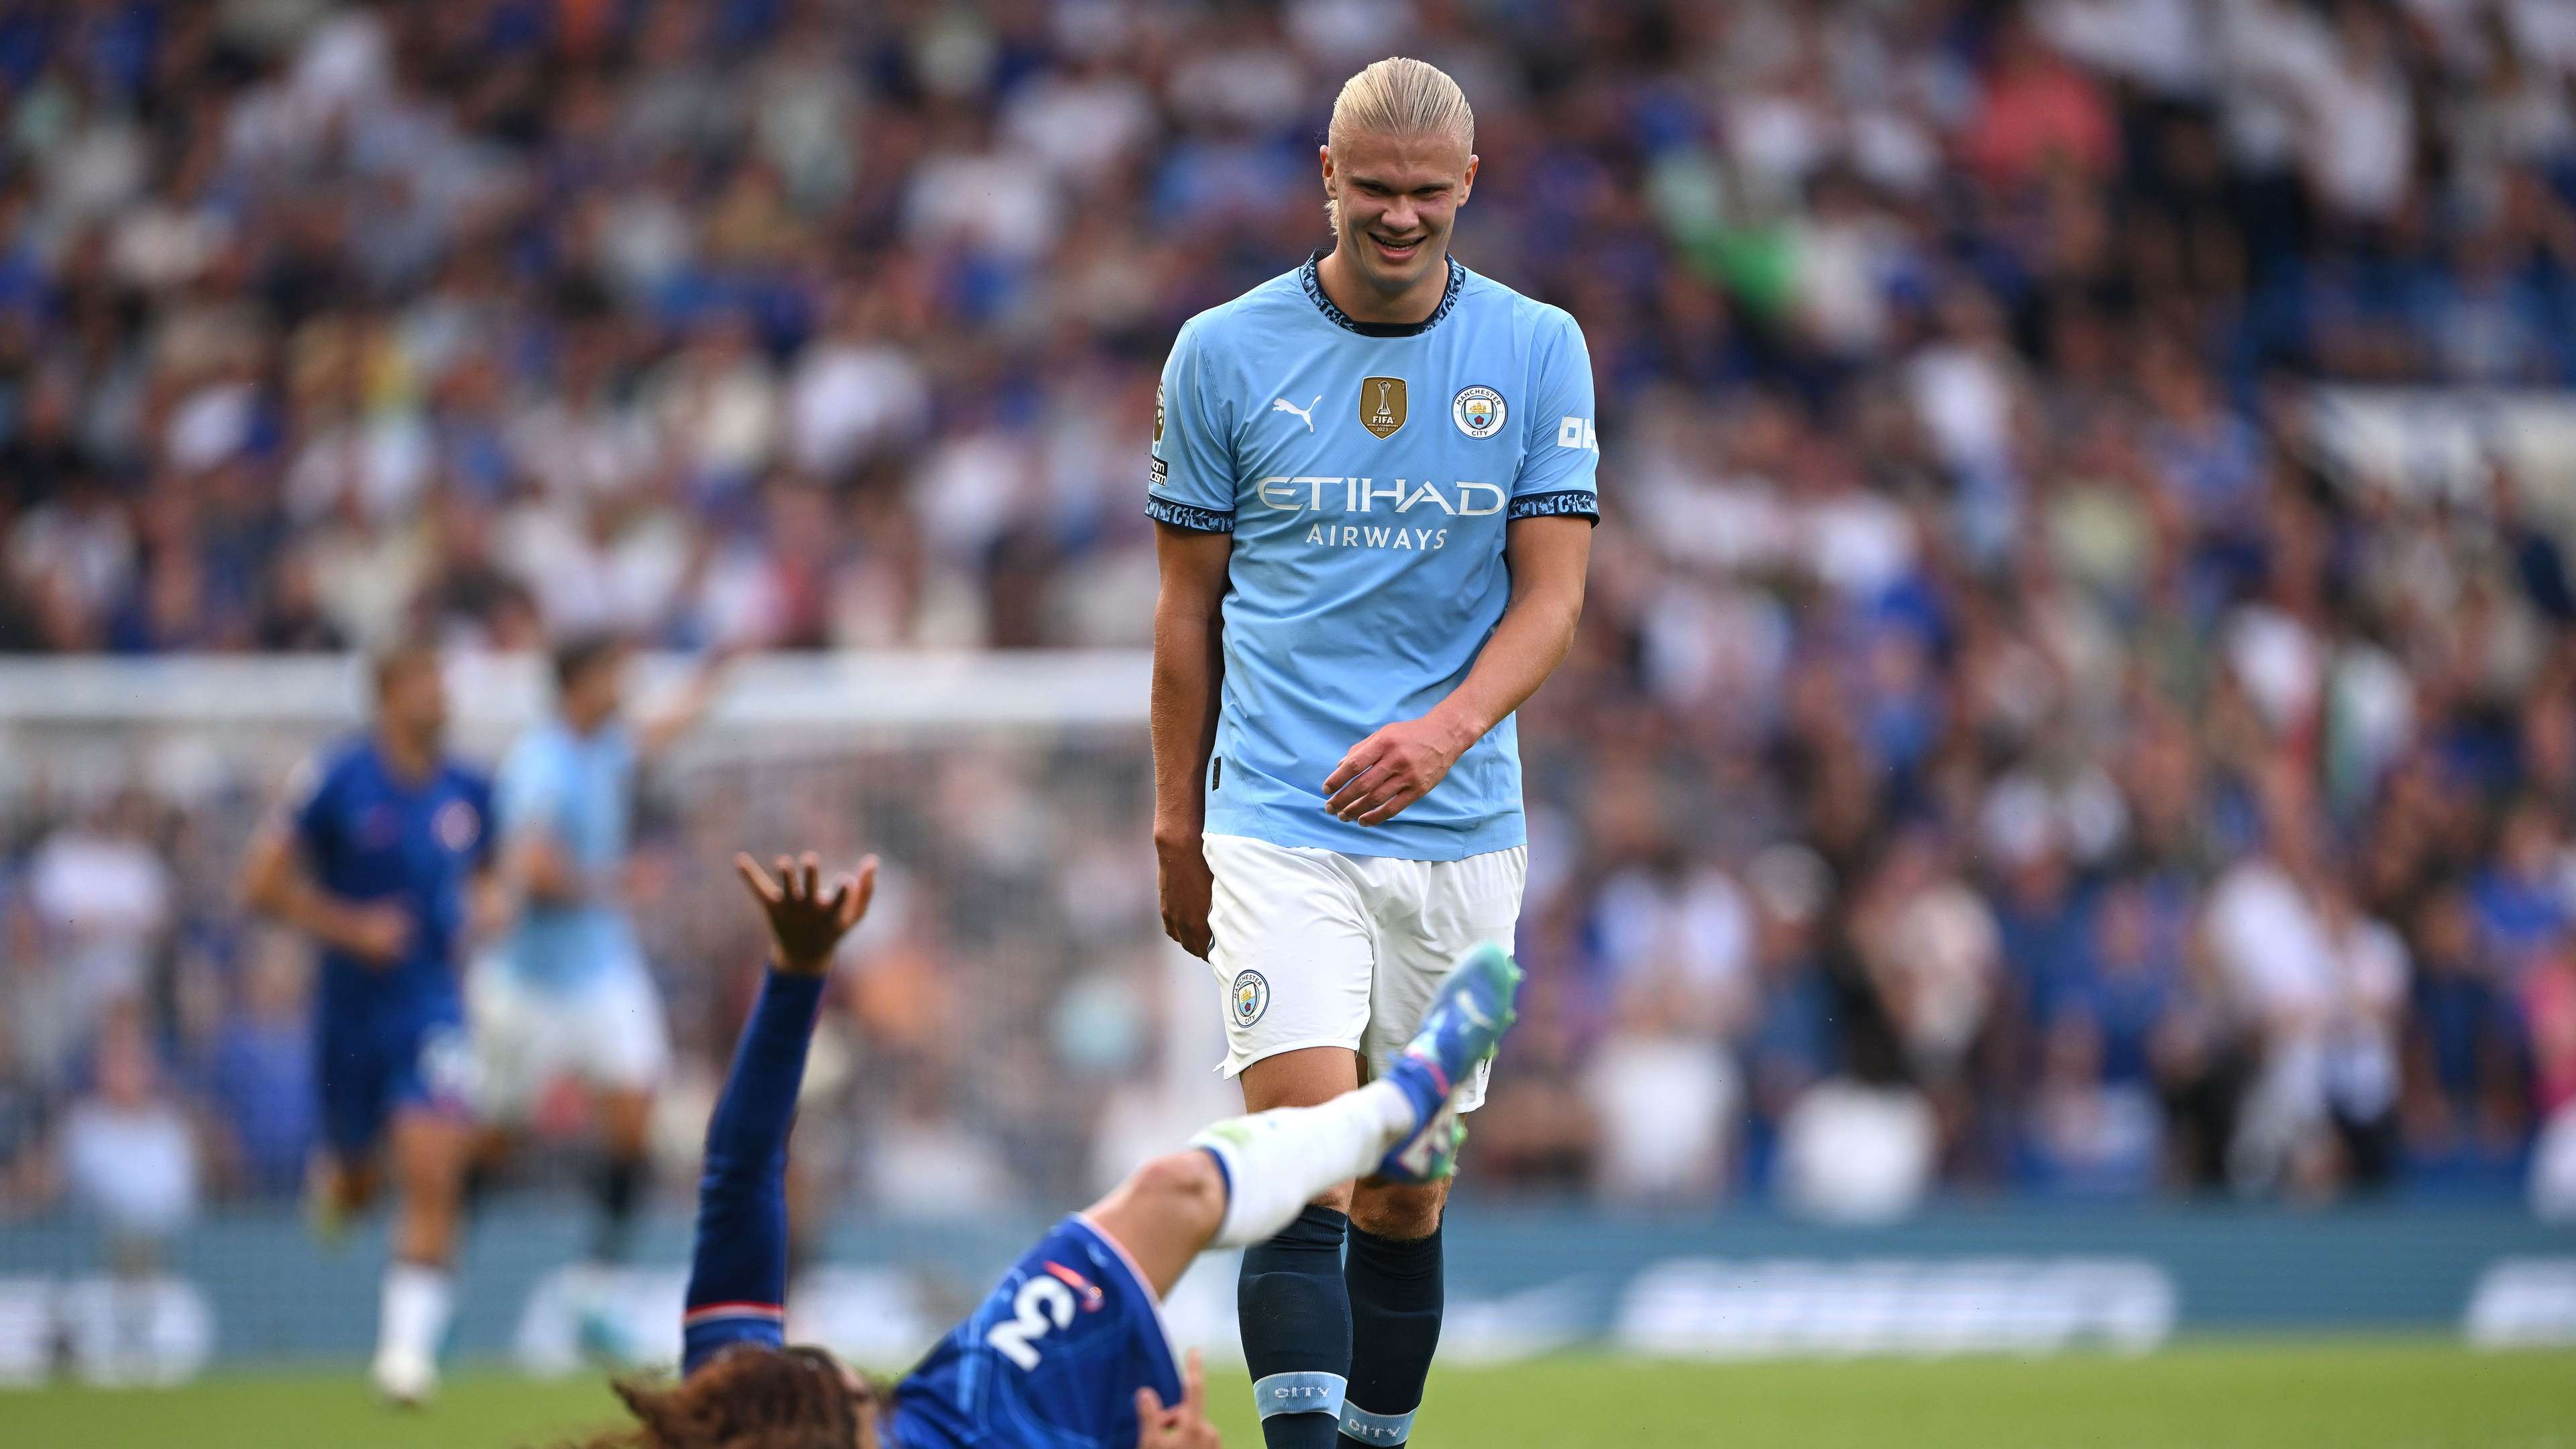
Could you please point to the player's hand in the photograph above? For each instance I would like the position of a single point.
(1184, 1425)
(1185, 885)
(378, 933)
(807, 916)
(1391, 769)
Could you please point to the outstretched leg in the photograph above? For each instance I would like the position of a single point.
(1243, 1180)
(1246, 1178)
(1165, 1214)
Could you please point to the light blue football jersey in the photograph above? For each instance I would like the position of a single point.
(575, 789)
(1366, 472)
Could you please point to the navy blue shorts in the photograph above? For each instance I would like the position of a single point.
(371, 1071)
(1052, 1360)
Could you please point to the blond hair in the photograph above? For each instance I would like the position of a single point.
(1399, 96)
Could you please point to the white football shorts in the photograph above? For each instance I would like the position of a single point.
(1315, 948)
(606, 1032)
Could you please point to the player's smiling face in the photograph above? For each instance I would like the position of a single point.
(1398, 199)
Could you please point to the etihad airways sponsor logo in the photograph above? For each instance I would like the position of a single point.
(1363, 495)
(1357, 535)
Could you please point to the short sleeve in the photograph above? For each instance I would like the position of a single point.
(1192, 480)
(310, 808)
(1560, 464)
(529, 791)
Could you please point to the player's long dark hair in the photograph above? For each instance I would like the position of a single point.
(749, 1398)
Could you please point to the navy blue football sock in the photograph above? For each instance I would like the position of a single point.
(1396, 1290)
(620, 1187)
(1296, 1318)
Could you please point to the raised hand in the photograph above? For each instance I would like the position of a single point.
(1185, 1424)
(807, 919)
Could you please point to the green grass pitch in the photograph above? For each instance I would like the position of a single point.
(2208, 1394)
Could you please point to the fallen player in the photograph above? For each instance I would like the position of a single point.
(1070, 1349)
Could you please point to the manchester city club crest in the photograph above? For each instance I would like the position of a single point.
(1479, 411)
(1382, 405)
(1251, 998)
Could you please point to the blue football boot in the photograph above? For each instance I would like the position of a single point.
(1466, 1021)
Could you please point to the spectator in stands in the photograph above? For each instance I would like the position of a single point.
(262, 1069)
(99, 893)
(129, 1151)
(27, 1168)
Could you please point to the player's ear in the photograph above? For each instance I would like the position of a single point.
(1324, 161)
(1467, 183)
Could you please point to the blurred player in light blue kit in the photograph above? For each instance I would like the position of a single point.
(569, 995)
(1374, 484)
(379, 856)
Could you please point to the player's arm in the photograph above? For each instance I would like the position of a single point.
(487, 905)
(1547, 543)
(534, 862)
(274, 884)
(697, 697)
(738, 1273)
(487, 892)
(1399, 764)
(1189, 664)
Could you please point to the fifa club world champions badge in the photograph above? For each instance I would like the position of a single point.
(1382, 405)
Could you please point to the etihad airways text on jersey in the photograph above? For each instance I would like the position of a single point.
(1362, 495)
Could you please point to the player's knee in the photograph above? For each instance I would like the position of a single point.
(1183, 1182)
(1401, 1212)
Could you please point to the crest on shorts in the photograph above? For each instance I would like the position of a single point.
(1478, 411)
(1382, 405)
(1251, 998)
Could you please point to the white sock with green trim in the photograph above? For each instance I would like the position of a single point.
(1278, 1161)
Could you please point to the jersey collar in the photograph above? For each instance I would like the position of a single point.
(1314, 286)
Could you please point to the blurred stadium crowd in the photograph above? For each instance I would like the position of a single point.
(2001, 754)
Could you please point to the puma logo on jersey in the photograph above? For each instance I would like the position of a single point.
(1306, 413)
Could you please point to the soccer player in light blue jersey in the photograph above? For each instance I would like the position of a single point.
(1374, 480)
(568, 995)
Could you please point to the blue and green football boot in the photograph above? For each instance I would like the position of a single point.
(1466, 1021)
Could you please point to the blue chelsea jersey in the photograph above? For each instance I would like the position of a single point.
(369, 834)
(1367, 473)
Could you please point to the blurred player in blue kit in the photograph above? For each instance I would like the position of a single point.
(1070, 1350)
(383, 856)
(1374, 482)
